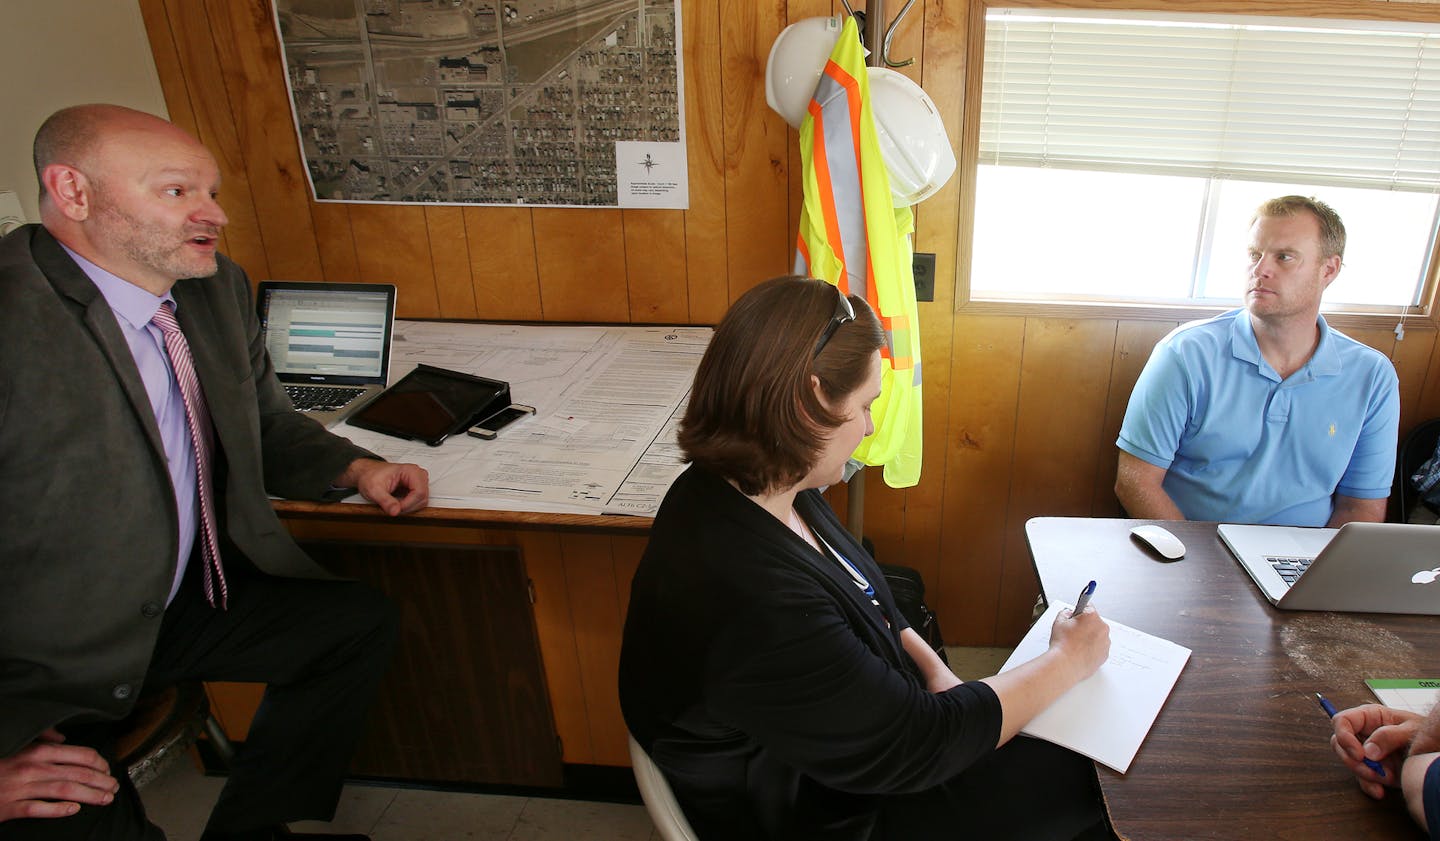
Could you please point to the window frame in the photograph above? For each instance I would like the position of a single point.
(1425, 315)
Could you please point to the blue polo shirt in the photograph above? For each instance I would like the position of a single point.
(1240, 445)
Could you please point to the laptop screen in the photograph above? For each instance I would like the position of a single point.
(327, 332)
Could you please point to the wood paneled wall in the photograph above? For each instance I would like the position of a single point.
(1021, 409)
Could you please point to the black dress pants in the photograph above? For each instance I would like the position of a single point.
(1028, 790)
(320, 646)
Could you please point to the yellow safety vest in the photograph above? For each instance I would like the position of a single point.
(852, 235)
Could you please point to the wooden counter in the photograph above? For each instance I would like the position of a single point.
(511, 627)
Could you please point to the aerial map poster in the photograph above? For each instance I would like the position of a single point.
(509, 102)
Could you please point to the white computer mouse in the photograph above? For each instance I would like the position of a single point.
(1166, 544)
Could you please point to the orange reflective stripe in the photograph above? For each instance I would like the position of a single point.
(853, 102)
(852, 96)
(839, 193)
(852, 93)
(821, 163)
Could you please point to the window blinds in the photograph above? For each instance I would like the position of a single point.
(1311, 101)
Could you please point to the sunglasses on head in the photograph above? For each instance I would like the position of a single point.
(843, 313)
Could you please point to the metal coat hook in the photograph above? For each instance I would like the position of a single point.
(890, 33)
(871, 32)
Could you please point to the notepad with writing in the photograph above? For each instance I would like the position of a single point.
(1107, 715)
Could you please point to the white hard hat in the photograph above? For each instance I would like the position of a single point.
(913, 142)
(797, 58)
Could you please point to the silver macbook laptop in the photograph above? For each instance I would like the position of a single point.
(329, 342)
(1358, 568)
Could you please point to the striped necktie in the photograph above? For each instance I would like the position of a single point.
(201, 441)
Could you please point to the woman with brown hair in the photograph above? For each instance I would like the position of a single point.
(765, 667)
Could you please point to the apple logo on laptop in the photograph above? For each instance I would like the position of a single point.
(1425, 576)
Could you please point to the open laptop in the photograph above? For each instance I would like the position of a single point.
(1358, 568)
(329, 342)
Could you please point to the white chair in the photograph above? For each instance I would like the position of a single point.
(659, 799)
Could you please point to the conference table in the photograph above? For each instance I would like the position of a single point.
(1241, 748)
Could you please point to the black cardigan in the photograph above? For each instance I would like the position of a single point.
(767, 686)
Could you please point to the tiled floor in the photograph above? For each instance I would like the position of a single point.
(181, 799)
(973, 663)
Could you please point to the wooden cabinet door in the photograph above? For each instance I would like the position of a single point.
(465, 698)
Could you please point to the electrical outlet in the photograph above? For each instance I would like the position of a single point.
(923, 264)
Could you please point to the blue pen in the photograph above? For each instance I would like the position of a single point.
(1084, 599)
(1330, 710)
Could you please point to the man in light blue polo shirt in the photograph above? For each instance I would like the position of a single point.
(1265, 414)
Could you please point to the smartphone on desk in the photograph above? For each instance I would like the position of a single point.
(491, 426)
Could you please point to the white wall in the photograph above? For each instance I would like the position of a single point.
(55, 53)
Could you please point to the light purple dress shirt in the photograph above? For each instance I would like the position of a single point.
(133, 308)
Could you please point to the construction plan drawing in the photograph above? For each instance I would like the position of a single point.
(607, 404)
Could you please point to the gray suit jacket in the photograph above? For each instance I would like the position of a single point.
(88, 529)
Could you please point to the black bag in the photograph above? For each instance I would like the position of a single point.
(1417, 469)
(909, 592)
(1427, 481)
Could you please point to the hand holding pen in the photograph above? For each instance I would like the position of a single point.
(1347, 726)
(1083, 635)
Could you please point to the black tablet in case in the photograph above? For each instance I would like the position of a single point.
(430, 404)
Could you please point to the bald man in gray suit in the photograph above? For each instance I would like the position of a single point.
(139, 547)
